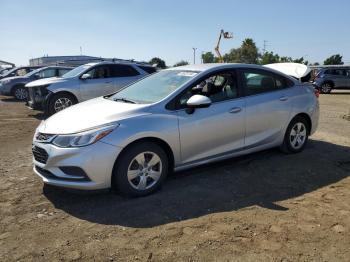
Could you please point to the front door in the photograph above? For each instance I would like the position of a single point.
(99, 83)
(218, 129)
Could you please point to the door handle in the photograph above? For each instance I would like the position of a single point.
(283, 98)
(235, 110)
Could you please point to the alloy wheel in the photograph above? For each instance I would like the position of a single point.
(21, 93)
(62, 103)
(144, 170)
(326, 88)
(298, 135)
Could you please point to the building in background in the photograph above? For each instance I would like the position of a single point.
(63, 60)
(72, 60)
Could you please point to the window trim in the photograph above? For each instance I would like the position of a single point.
(241, 72)
(173, 105)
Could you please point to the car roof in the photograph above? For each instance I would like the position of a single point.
(118, 63)
(204, 67)
(219, 66)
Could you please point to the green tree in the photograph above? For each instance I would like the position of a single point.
(158, 62)
(334, 60)
(269, 58)
(181, 63)
(246, 53)
(249, 52)
(208, 57)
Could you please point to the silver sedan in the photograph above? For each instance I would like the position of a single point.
(173, 120)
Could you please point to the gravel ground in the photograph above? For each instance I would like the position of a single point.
(262, 207)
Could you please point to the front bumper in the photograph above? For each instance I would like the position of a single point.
(5, 90)
(88, 167)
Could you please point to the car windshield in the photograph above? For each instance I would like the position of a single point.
(76, 71)
(10, 71)
(155, 87)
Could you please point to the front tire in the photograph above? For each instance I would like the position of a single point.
(296, 136)
(59, 102)
(326, 88)
(20, 93)
(140, 170)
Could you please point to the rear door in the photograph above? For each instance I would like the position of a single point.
(268, 106)
(337, 76)
(124, 75)
(100, 82)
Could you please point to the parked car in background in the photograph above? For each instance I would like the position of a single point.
(19, 71)
(175, 119)
(15, 86)
(83, 83)
(328, 79)
(4, 70)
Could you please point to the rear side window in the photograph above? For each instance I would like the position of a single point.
(61, 72)
(123, 71)
(148, 69)
(336, 72)
(257, 82)
(47, 73)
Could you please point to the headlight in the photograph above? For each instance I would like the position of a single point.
(84, 138)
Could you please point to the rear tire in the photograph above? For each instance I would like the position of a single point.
(140, 170)
(20, 93)
(296, 136)
(59, 102)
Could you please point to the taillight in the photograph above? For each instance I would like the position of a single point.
(317, 92)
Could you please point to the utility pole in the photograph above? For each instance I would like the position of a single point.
(265, 45)
(81, 51)
(194, 55)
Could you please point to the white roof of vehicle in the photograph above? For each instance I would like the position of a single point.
(204, 67)
(290, 69)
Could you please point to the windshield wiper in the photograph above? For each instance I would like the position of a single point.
(124, 100)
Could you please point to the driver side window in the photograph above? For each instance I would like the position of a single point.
(99, 72)
(218, 87)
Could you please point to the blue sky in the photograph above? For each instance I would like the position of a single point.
(169, 29)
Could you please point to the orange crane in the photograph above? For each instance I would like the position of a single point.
(226, 35)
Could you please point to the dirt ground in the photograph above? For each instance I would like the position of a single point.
(262, 207)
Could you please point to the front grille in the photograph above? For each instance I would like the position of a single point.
(40, 154)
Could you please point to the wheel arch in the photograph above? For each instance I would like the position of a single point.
(63, 92)
(158, 141)
(328, 81)
(13, 88)
(307, 118)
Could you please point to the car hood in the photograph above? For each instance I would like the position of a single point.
(15, 78)
(90, 114)
(46, 81)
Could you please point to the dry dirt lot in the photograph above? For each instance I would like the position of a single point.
(263, 207)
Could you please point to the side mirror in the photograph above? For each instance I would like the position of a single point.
(197, 101)
(85, 76)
